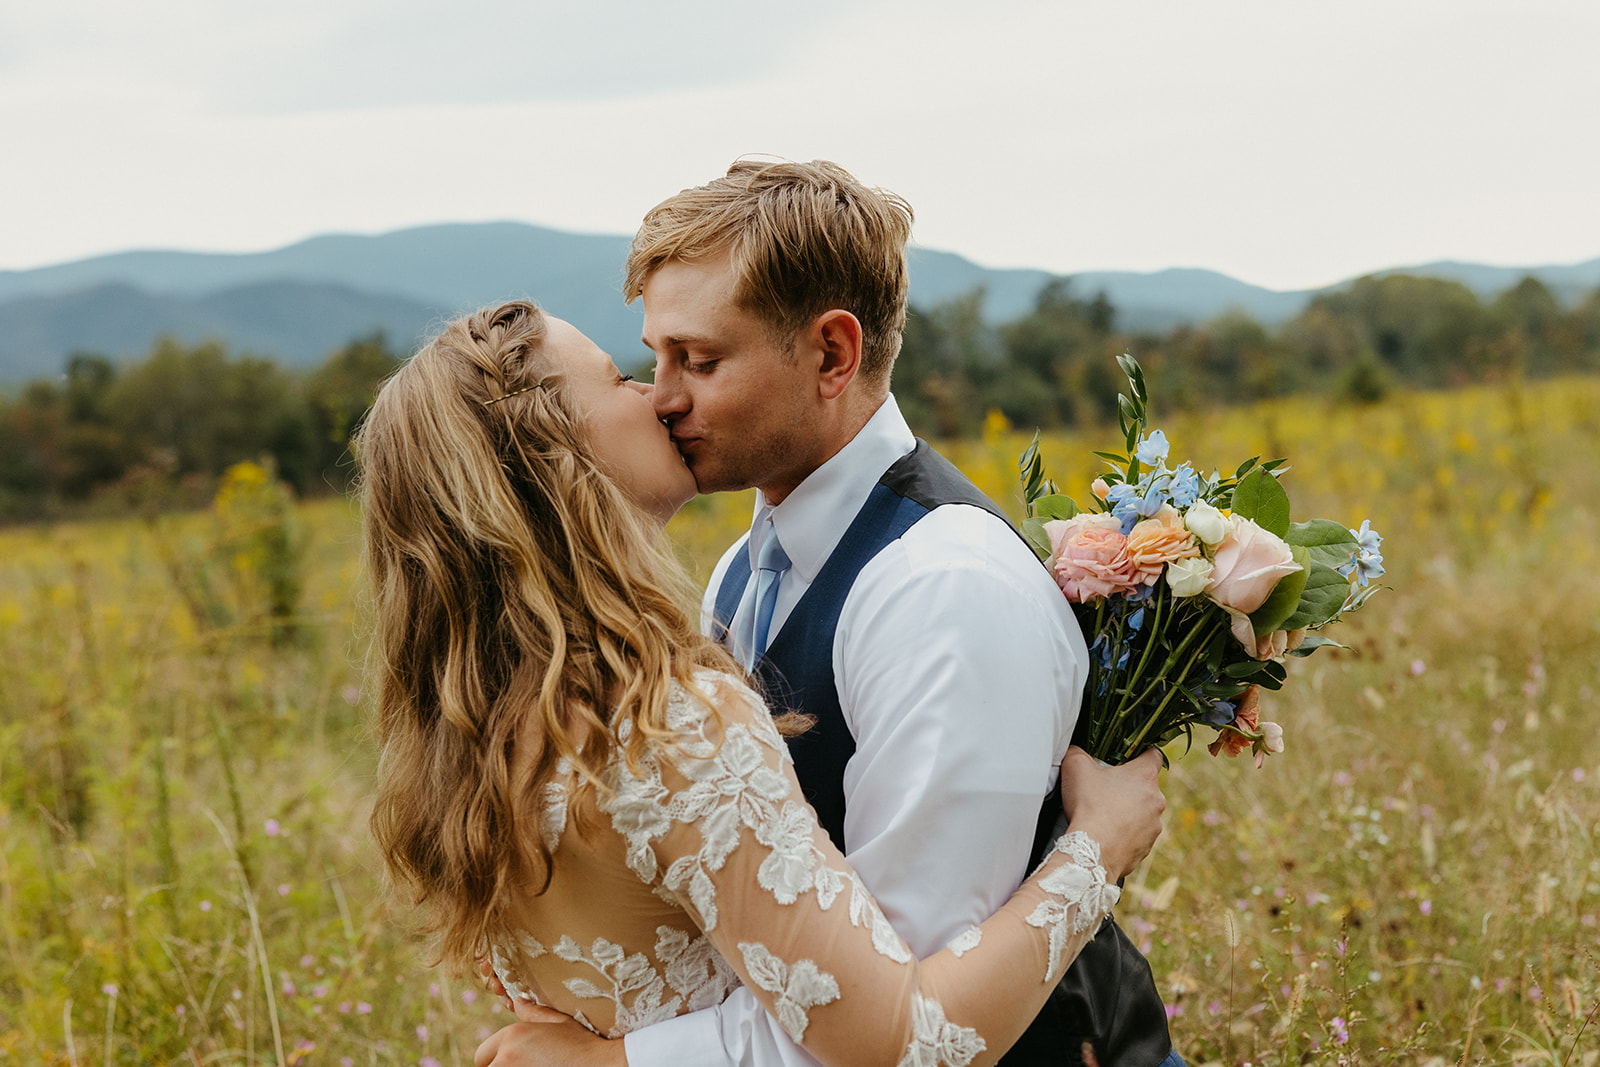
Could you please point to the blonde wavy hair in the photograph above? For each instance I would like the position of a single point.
(803, 238)
(521, 607)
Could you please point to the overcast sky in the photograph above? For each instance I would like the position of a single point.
(1285, 142)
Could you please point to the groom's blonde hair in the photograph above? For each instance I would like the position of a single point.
(804, 238)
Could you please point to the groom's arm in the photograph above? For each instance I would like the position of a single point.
(960, 670)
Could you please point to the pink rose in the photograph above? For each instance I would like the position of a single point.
(1157, 541)
(1271, 742)
(1247, 565)
(1273, 646)
(1089, 557)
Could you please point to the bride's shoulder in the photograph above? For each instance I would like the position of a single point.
(715, 701)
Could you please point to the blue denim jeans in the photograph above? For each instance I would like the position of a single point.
(1173, 1060)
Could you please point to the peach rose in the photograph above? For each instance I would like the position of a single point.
(1247, 565)
(1099, 488)
(1089, 557)
(1157, 541)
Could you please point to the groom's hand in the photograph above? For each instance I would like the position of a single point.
(543, 1037)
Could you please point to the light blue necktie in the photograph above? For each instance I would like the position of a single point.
(771, 563)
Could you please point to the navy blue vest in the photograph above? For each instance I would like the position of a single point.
(1107, 1001)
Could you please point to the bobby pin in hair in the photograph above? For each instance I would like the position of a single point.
(507, 396)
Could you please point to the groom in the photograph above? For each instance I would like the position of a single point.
(878, 591)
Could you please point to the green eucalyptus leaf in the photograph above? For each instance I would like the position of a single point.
(1259, 497)
(1284, 598)
(1321, 599)
(1033, 532)
(1029, 454)
(1135, 373)
(1113, 457)
(1331, 544)
(1245, 668)
(1246, 465)
(1314, 642)
(1055, 506)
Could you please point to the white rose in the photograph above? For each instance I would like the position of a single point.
(1206, 522)
(1189, 577)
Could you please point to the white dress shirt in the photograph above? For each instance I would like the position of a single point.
(960, 670)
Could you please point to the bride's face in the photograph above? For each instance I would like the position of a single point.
(630, 443)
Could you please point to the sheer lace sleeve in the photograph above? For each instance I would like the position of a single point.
(720, 825)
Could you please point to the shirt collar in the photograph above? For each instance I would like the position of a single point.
(815, 515)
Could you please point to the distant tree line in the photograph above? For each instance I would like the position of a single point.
(1056, 366)
(160, 432)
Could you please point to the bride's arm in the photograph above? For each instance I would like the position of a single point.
(745, 856)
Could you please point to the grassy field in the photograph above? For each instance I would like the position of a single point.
(186, 877)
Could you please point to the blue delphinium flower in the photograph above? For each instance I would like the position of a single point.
(1124, 501)
(1366, 563)
(1105, 652)
(1185, 486)
(1221, 713)
(1153, 449)
(1138, 594)
(1369, 565)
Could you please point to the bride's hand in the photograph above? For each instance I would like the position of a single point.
(544, 1036)
(1120, 807)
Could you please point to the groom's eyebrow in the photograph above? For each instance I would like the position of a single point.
(685, 340)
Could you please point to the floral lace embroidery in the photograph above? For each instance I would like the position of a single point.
(553, 806)
(732, 788)
(864, 911)
(1079, 896)
(797, 988)
(636, 988)
(695, 970)
(935, 1041)
(965, 941)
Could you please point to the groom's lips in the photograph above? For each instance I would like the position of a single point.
(684, 444)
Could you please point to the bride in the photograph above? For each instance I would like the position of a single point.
(577, 785)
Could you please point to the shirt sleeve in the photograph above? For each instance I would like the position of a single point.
(960, 670)
(742, 852)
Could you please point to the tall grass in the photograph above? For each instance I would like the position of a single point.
(186, 877)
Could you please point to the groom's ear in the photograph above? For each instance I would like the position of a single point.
(836, 336)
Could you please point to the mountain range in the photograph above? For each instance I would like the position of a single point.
(296, 304)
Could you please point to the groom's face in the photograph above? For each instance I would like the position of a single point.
(741, 405)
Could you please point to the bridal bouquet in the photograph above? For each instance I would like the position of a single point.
(1192, 590)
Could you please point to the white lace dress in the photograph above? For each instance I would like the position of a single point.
(707, 869)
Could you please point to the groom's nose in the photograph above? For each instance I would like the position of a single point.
(669, 396)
